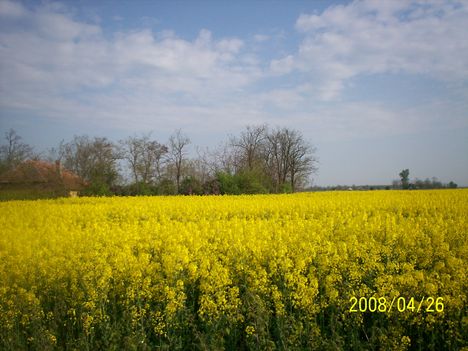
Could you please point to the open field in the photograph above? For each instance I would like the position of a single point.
(383, 270)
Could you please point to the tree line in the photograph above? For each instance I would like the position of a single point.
(258, 160)
(405, 183)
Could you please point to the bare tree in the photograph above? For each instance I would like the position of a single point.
(156, 153)
(224, 159)
(290, 158)
(202, 167)
(277, 157)
(302, 160)
(144, 157)
(249, 146)
(178, 143)
(55, 154)
(14, 151)
(94, 160)
(130, 152)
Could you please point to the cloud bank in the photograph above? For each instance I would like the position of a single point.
(54, 64)
(377, 37)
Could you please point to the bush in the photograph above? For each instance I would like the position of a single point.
(191, 186)
(166, 187)
(286, 188)
(250, 182)
(245, 182)
(228, 183)
(97, 188)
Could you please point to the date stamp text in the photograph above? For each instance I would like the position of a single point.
(401, 304)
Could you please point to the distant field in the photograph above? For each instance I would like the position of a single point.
(381, 270)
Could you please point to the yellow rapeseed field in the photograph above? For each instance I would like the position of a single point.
(381, 270)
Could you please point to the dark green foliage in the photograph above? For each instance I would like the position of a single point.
(29, 192)
(286, 188)
(97, 188)
(136, 189)
(144, 189)
(245, 182)
(250, 182)
(191, 186)
(228, 183)
(166, 187)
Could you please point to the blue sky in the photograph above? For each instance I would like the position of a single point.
(376, 86)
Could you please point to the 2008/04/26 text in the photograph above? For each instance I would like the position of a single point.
(400, 304)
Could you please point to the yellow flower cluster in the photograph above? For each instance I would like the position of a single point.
(230, 272)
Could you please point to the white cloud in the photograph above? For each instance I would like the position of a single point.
(57, 66)
(67, 62)
(230, 45)
(368, 37)
(260, 38)
(282, 66)
(282, 99)
(11, 9)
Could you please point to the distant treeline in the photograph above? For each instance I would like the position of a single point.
(259, 160)
(405, 182)
(415, 185)
(402, 183)
(349, 187)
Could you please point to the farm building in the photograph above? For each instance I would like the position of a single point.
(39, 179)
